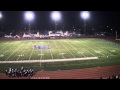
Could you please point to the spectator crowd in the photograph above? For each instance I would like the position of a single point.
(19, 72)
(112, 77)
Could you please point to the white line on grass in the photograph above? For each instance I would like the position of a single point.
(41, 54)
(50, 50)
(9, 48)
(68, 50)
(76, 49)
(102, 49)
(85, 49)
(94, 50)
(50, 60)
(31, 53)
(23, 51)
(5, 47)
(14, 52)
(59, 50)
(2, 45)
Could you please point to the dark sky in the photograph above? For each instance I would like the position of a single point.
(15, 20)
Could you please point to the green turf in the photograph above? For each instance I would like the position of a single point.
(107, 52)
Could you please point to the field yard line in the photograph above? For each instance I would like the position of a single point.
(102, 49)
(14, 51)
(76, 49)
(31, 53)
(3, 44)
(68, 50)
(41, 54)
(50, 50)
(23, 51)
(94, 50)
(59, 50)
(50, 60)
(87, 50)
(112, 47)
(5, 47)
(9, 48)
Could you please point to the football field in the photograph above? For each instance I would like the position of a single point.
(57, 49)
(71, 54)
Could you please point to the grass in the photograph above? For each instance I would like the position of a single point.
(107, 52)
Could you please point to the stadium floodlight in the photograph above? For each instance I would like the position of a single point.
(29, 15)
(85, 15)
(56, 16)
(0, 15)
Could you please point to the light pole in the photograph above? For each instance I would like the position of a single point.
(116, 35)
(85, 15)
(29, 15)
(56, 16)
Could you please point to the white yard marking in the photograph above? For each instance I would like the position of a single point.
(50, 60)
(94, 50)
(76, 49)
(62, 53)
(112, 50)
(50, 50)
(8, 49)
(103, 49)
(59, 50)
(14, 51)
(31, 52)
(68, 50)
(41, 55)
(1, 55)
(80, 52)
(4, 46)
(97, 51)
(20, 55)
(84, 48)
(23, 52)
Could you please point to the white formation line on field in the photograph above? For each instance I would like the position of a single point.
(68, 50)
(41, 53)
(23, 51)
(59, 50)
(14, 51)
(103, 49)
(50, 60)
(89, 48)
(8, 49)
(85, 49)
(31, 53)
(4, 47)
(76, 49)
(50, 50)
(111, 47)
(95, 50)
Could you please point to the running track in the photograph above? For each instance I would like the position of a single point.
(88, 73)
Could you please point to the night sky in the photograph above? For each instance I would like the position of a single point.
(14, 20)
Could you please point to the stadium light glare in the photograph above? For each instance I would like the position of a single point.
(56, 16)
(0, 15)
(85, 15)
(29, 15)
